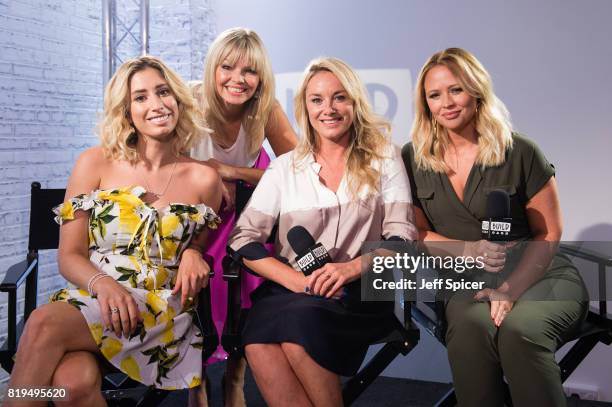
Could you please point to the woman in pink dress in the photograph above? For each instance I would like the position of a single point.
(237, 99)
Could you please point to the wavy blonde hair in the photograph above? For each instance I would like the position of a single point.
(370, 138)
(118, 135)
(233, 45)
(492, 120)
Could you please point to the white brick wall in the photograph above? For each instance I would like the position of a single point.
(50, 87)
(50, 92)
(181, 38)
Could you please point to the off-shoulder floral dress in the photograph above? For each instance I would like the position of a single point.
(140, 247)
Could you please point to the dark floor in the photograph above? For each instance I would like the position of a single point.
(384, 392)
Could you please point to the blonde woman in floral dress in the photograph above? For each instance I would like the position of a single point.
(131, 248)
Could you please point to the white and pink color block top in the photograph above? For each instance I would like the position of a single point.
(290, 193)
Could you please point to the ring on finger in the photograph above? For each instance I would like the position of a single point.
(114, 310)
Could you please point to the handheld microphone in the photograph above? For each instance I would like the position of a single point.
(310, 255)
(498, 223)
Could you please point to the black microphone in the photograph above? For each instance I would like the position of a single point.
(310, 255)
(497, 225)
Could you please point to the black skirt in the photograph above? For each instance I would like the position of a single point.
(335, 333)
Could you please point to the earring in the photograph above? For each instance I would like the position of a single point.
(434, 126)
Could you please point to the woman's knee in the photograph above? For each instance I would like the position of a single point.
(293, 351)
(257, 352)
(79, 374)
(41, 329)
(469, 326)
(522, 336)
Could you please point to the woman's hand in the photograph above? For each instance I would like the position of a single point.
(501, 304)
(493, 254)
(192, 275)
(118, 308)
(329, 279)
(227, 172)
(228, 191)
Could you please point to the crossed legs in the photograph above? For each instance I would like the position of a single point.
(288, 376)
(57, 349)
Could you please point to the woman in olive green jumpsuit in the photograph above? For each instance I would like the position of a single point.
(462, 148)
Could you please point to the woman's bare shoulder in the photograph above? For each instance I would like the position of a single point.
(200, 173)
(87, 171)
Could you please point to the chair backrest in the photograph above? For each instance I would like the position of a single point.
(44, 232)
(243, 194)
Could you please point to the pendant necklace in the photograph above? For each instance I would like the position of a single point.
(160, 194)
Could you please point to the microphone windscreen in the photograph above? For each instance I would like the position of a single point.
(300, 240)
(498, 204)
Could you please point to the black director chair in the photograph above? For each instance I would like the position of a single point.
(400, 341)
(117, 388)
(596, 328)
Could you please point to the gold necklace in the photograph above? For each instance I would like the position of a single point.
(159, 195)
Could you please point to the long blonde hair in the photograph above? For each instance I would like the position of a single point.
(117, 134)
(492, 120)
(233, 45)
(369, 132)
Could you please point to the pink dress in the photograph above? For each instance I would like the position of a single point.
(235, 155)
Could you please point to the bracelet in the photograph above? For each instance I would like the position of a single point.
(93, 279)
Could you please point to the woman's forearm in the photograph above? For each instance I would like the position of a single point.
(532, 266)
(274, 270)
(438, 245)
(77, 269)
(249, 175)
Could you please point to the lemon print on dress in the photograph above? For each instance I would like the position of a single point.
(134, 262)
(83, 293)
(168, 319)
(110, 347)
(156, 303)
(169, 224)
(131, 368)
(167, 336)
(169, 248)
(195, 381)
(161, 276)
(61, 295)
(96, 332)
(67, 211)
(148, 320)
(157, 282)
(127, 202)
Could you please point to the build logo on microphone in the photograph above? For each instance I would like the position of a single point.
(496, 227)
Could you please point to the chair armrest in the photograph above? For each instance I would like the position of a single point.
(586, 254)
(16, 275)
(602, 261)
(206, 324)
(231, 269)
